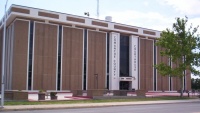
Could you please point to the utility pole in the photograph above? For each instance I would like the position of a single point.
(97, 9)
(3, 58)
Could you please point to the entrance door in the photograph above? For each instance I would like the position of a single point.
(124, 85)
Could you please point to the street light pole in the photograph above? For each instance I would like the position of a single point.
(3, 58)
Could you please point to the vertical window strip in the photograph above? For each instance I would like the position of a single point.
(184, 77)
(170, 78)
(9, 56)
(184, 80)
(6, 59)
(30, 55)
(107, 75)
(155, 61)
(85, 59)
(124, 56)
(12, 41)
(59, 58)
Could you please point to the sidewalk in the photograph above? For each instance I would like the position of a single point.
(88, 105)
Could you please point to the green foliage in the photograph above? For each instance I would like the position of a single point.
(53, 93)
(180, 47)
(41, 91)
(195, 83)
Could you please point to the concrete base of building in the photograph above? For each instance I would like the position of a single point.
(141, 92)
(16, 95)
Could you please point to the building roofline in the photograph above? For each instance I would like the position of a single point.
(86, 18)
(83, 17)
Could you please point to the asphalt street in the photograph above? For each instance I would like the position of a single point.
(193, 107)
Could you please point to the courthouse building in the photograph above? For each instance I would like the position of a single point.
(57, 51)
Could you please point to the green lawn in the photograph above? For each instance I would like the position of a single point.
(92, 101)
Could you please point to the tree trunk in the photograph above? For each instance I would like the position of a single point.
(181, 86)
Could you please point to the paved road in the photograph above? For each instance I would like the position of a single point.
(156, 108)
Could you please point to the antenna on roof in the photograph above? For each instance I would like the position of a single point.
(97, 9)
(87, 14)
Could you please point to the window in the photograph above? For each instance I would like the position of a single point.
(59, 57)
(30, 59)
(124, 56)
(85, 59)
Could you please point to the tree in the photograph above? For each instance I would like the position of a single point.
(195, 83)
(180, 46)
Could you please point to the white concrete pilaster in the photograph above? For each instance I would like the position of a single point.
(114, 48)
(133, 60)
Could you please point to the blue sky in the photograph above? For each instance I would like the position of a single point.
(152, 14)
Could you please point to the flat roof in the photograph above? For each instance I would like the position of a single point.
(51, 16)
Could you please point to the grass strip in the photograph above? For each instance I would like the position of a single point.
(91, 101)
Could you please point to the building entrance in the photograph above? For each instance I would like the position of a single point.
(124, 85)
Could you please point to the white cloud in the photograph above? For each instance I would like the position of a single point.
(195, 21)
(187, 7)
(151, 20)
(157, 20)
(146, 3)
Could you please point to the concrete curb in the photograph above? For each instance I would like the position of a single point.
(90, 105)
